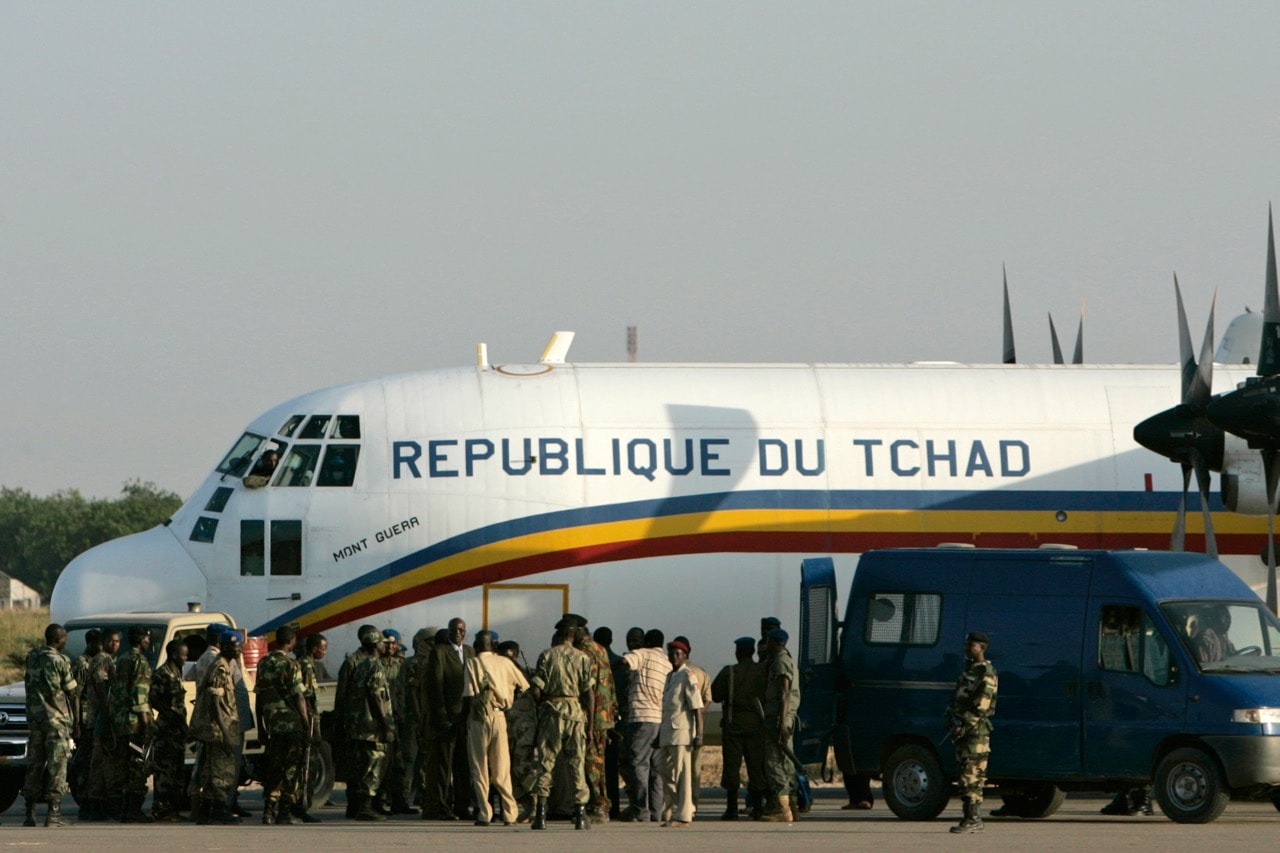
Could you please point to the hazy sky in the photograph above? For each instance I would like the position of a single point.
(208, 208)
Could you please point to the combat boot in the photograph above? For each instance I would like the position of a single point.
(302, 815)
(580, 819)
(971, 822)
(731, 805)
(539, 813)
(53, 817)
(286, 814)
(199, 810)
(781, 812)
(224, 815)
(30, 819)
(269, 814)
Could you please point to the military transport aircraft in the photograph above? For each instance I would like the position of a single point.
(683, 496)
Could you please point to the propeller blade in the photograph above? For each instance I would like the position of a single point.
(1186, 355)
(1053, 337)
(1202, 480)
(1179, 540)
(1272, 472)
(1078, 356)
(1202, 383)
(1269, 353)
(1010, 357)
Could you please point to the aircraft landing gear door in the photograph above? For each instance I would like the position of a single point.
(818, 659)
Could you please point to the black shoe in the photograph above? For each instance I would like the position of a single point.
(481, 822)
(302, 815)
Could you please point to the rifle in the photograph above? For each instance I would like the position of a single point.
(785, 747)
(306, 762)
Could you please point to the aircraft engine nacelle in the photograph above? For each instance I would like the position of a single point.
(1244, 485)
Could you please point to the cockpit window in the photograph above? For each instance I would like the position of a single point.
(298, 466)
(290, 425)
(339, 468)
(347, 426)
(266, 465)
(236, 462)
(316, 427)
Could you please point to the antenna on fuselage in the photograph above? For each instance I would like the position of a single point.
(557, 348)
(482, 356)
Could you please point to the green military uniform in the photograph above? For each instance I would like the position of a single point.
(341, 704)
(779, 773)
(281, 690)
(168, 699)
(563, 673)
(97, 716)
(606, 712)
(129, 704)
(367, 729)
(738, 687)
(82, 756)
(392, 787)
(972, 706)
(216, 723)
(522, 732)
(50, 690)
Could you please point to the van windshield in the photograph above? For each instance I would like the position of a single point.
(1227, 636)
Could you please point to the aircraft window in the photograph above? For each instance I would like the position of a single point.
(339, 468)
(286, 548)
(290, 425)
(266, 465)
(316, 427)
(347, 426)
(904, 618)
(218, 500)
(237, 461)
(204, 531)
(299, 465)
(252, 552)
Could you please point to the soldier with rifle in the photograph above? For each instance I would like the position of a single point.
(129, 702)
(286, 730)
(168, 699)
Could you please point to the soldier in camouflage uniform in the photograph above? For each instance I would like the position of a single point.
(606, 717)
(564, 685)
(781, 702)
(82, 756)
(522, 730)
(51, 714)
(130, 707)
(216, 723)
(284, 725)
(342, 743)
(97, 716)
(411, 723)
(168, 700)
(392, 793)
(969, 720)
(316, 647)
(370, 726)
(738, 688)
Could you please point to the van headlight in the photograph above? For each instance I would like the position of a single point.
(1260, 716)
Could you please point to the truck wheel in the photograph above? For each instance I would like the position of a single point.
(1189, 786)
(10, 786)
(1034, 801)
(913, 783)
(322, 774)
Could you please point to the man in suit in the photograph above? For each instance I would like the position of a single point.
(448, 786)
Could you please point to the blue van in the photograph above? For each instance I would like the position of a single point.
(1116, 668)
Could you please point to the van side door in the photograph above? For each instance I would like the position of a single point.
(818, 660)
(1134, 697)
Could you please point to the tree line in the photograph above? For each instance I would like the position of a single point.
(40, 535)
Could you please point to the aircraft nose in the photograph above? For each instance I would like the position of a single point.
(145, 571)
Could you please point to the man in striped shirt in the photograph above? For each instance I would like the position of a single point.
(649, 668)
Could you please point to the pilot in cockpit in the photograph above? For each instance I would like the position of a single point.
(262, 471)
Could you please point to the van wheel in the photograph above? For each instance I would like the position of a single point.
(1034, 801)
(913, 783)
(1189, 786)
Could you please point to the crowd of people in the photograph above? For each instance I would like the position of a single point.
(463, 726)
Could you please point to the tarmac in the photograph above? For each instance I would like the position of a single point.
(1077, 826)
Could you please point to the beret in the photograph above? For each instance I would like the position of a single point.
(391, 634)
(745, 642)
(679, 644)
(977, 637)
(780, 635)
